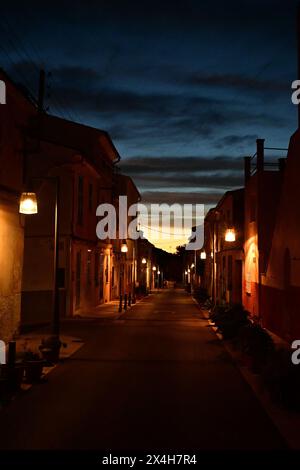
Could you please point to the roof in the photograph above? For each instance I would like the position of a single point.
(127, 180)
(65, 132)
(85, 138)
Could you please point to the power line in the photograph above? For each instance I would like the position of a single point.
(60, 105)
(157, 230)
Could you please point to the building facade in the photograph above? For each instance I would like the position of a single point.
(82, 159)
(280, 290)
(15, 116)
(222, 253)
(263, 183)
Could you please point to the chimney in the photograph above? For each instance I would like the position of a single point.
(260, 150)
(247, 169)
(281, 164)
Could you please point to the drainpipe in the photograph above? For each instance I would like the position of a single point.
(260, 152)
(247, 169)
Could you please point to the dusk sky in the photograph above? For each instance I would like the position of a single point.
(183, 88)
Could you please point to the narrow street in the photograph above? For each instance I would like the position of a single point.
(156, 378)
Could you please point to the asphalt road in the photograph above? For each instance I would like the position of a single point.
(157, 378)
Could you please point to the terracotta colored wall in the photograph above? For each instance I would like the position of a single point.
(281, 285)
(262, 193)
(14, 115)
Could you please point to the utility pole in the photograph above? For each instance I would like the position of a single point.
(41, 97)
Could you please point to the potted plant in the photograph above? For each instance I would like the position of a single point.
(33, 366)
(11, 377)
(50, 348)
(256, 345)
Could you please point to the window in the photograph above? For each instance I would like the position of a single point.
(80, 201)
(106, 271)
(229, 273)
(90, 197)
(113, 276)
(88, 267)
(96, 269)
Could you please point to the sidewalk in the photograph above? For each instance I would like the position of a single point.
(288, 423)
(110, 310)
(32, 341)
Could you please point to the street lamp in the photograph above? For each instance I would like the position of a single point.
(144, 271)
(153, 275)
(121, 256)
(124, 247)
(230, 235)
(203, 255)
(28, 205)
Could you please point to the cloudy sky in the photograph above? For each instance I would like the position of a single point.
(184, 88)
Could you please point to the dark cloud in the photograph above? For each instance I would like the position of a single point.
(188, 180)
(236, 140)
(166, 79)
(219, 174)
(242, 82)
(144, 165)
(173, 197)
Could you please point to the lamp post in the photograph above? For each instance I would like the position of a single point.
(28, 206)
(122, 252)
(144, 263)
(134, 276)
(153, 276)
(192, 277)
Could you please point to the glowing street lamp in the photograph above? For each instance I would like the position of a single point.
(144, 261)
(202, 255)
(230, 235)
(154, 268)
(28, 203)
(192, 265)
(124, 247)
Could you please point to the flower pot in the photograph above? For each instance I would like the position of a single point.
(33, 371)
(50, 349)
